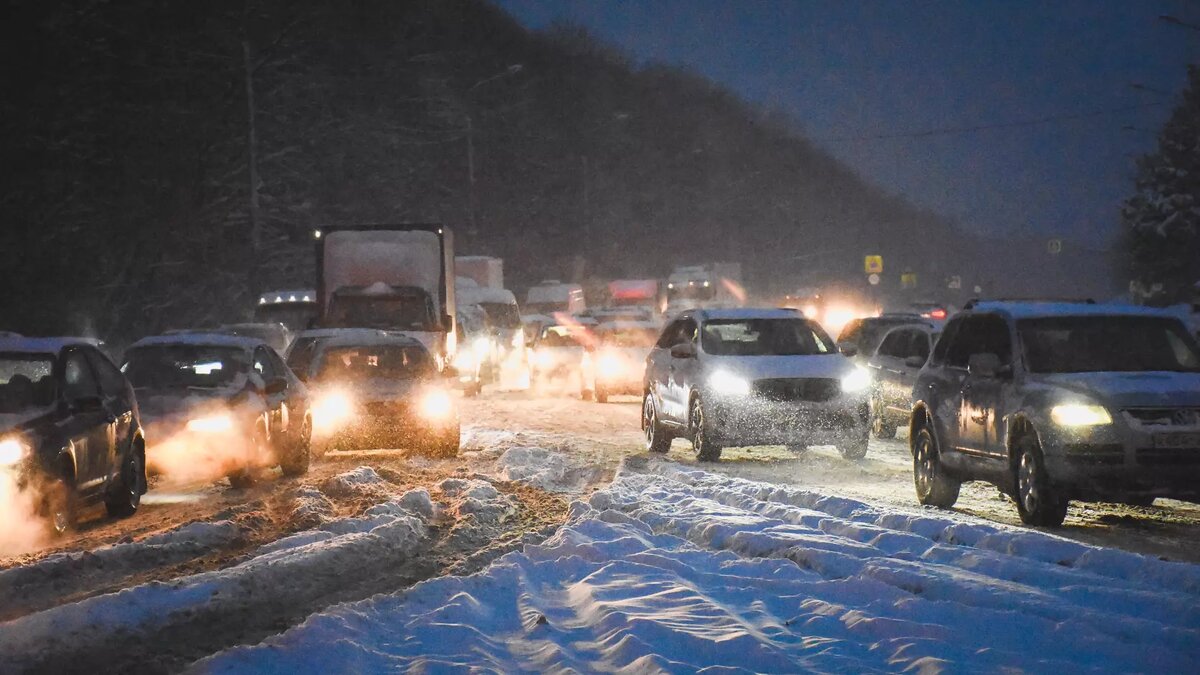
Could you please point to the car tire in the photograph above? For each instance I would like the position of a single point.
(58, 507)
(880, 427)
(298, 457)
(657, 438)
(856, 449)
(934, 486)
(1038, 502)
(705, 446)
(125, 495)
(601, 395)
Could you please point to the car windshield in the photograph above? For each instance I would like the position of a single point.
(185, 366)
(502, 314)
(26, 382)
(561, 336)
(411, 312)
(764, 337)
(629, 337)
(1107, 344)
(370, 362)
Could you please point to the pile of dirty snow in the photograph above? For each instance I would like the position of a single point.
(688, 570)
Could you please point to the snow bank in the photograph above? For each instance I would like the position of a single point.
(358, 481)
(538, 467)
(691, 570)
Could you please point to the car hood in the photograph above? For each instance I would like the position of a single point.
(833, 366)
(1124, 390)
(154, 405)
(374, 390)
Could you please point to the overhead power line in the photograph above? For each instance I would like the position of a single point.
(952, 131)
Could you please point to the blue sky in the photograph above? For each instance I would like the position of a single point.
(852, 71)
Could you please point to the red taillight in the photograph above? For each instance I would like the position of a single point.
(937, 314)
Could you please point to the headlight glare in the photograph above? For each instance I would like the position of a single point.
(436, 404)
(211, 424)
(1080, 415)
(724, 382)
(12, 451)
(857, 381)
(332, 410)
(608, 365)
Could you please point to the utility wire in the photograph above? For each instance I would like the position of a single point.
(952, 131)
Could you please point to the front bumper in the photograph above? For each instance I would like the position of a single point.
(755, 421)
(1124, 460)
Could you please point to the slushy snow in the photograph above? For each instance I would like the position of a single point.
(685, 570)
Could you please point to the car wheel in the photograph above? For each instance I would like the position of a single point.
(880, 427)
(706, 447)
(601, 395)
(126, 494)
(299, 456)
(58, 507)
(1037, 500)
(856, 449)
(657, 438)
(934, 486)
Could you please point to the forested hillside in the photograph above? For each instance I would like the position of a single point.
(139, 192)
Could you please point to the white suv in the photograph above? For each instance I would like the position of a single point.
(739, 377)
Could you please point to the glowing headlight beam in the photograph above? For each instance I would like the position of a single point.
(1080, 415)
(857, 381)
(12, 451)
(436, 404)
(724, 382)
(332, 410)
(212, 424)
(608, 365)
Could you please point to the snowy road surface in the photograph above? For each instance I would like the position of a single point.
(678, 571)
(808, 560)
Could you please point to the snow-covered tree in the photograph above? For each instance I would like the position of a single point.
(1163, 216)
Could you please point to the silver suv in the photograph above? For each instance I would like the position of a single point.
(1059, 401)
(739, 377)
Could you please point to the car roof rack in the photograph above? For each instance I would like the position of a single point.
(1032, 300)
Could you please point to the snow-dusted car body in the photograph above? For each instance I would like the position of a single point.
(219, 405)
(894, 367)
(1059, 401)
(740, 377)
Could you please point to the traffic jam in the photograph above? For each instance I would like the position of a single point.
(405, 361)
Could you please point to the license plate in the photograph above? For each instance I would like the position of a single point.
(1177, 440)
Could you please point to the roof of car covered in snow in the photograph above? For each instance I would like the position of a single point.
(1033, 310)
(337, 332)
(200, 340)
(745, 313)
(42, 345)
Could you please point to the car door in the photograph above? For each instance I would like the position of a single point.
(946, 382)
(684, 373)
(88, 425)
(295, 396)
(983, 393)
(658, 364)
(277, 409)
(118, 401)
(885, 366)
(918, 349)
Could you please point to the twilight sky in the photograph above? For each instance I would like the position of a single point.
(866, 79)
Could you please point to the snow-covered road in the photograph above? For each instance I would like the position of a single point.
(678, 570)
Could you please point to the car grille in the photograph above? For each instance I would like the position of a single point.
(798, 389)
(1097, 454)
(386, 408)
(1165, 417)
(1168, 456)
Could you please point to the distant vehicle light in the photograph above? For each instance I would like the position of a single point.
(262, 301)
(307, 298)
(706, 284)
(316, 234)
(670, 285)
(857, 381)
(936, 314)
(212, 424)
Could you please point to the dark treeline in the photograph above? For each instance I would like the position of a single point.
(139, 194)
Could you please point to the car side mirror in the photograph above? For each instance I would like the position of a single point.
(984, 365)
(914, 362)
(848, 349)
(277, 385)
(683, 350)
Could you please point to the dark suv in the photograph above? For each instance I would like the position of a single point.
(69, 428)
(1059, 401)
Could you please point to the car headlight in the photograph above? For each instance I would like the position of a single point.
(727, 383)
(436, 404)
(518, 340)
(331, 410)
(608, 365)
(542, 359)
(1080, 415)
(12, 451)
(482, 346)
(857, 381)
(211, 424)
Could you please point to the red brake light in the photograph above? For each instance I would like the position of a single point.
(937, 314)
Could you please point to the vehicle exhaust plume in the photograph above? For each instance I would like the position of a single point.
(189, 458)
(21, 528)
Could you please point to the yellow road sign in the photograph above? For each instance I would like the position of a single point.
(873, 264)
